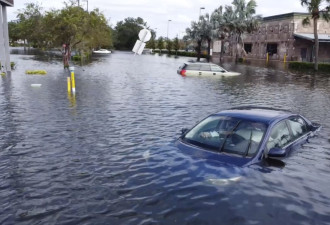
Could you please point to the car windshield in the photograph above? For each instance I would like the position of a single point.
(227, 134)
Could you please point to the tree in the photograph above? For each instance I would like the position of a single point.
(314, 8)
(219, 27)
(160, 43)
(207, 32)
(30, 24)
(152, 43)
(127, 31)
(14, 32)
(195, 33)
(176, 44)
(241, 18)
(169, 45)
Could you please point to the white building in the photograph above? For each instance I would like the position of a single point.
(4, 36)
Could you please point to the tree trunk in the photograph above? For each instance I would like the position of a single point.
(66, 55)
(199, 45)
(221, 50)
(316, 48)
(208, 50)
(236, 57)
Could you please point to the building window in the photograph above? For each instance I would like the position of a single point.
(248, 48)
(272, 48)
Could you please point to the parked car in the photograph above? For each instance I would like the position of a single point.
(203, 69)
(247, 135)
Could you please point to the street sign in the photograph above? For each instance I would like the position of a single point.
(144, 36)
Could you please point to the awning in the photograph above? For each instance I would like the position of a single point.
(310, 37)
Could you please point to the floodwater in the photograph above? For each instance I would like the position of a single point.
(105, 155)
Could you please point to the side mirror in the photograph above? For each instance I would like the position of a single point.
(184, 131)
(276, 153)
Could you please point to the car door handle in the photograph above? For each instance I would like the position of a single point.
(200, 73)
(214, 73)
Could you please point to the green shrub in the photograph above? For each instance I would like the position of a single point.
(303, 66)
(36, 72)
(12, 65)
(76, 58)
(181, 53)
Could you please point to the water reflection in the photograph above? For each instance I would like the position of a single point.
(106, 154)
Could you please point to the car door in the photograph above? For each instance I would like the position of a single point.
(217, 70)
(299, 131)
(205, 70)
(192, 69)
(279, 137)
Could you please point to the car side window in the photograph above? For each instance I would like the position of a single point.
(298, 126)
(205, 67)
(216, 68)
(279, 136)
(192, 67)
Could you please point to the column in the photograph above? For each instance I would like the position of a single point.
(6, 37)
(2, 41)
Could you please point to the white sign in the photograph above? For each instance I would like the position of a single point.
(144, 36)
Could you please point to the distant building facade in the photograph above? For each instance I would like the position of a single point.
(284, 36)
(4, 36)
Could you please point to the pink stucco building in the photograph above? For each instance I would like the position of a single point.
(282, 35)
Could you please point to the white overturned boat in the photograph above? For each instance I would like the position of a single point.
(102, 51)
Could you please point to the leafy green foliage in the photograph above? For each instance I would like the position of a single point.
(160, 43)
(127, 31)
(315, 8)
(169, 45)
(307, 66)
(176, 44)
(71, 25)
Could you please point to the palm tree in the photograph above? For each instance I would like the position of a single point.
(220, 29)
(200, 31)
(314, 8)
(241, 18)
(207, 32)
(195, 33)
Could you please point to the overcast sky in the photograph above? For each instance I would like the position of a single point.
(157, 12)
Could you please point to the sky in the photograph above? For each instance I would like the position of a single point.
(157, 13)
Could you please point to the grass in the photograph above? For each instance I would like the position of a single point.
(36, 72)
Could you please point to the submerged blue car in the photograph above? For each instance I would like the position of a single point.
(247, 135)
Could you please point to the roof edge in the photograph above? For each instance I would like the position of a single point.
(7, 2)
(285, 15)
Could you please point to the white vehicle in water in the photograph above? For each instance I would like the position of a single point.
(102, 51)
(204, 70)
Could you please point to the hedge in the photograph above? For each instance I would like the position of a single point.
(323, 67)
(180, 53)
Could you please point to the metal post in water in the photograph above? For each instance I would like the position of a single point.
(73, 83)
(69, 84)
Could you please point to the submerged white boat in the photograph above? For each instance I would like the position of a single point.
(102, 51)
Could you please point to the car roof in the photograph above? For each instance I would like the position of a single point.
(257, 114)
(200, 63)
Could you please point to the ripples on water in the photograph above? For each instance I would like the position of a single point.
(106, 155)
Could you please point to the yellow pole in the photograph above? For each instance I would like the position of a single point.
(69, 84)
(73, 83)
(285, 58)
(267, 57)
